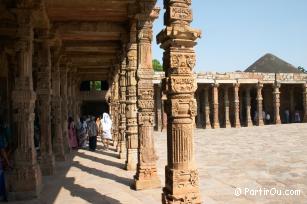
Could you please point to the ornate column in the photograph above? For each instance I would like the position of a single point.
(236, 105)
(75, 88)
(24, 181)
(158, 107)
(69, 92)
(259, 104)
(215, 101)
(207, 109)
(178, 40)
(305, 102)
(276, 97)
(64, 105)
(226, 100)
(146, 175)
(198, 122)
(249, 122)
(131, 109)
(122, 104)
(115, 106)
(58, 143)
(292, 105)
(47, 163)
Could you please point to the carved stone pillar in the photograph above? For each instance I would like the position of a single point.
(215, 101)
(122, 103)
(24, 181)
(178, 40)
(292, 105)
(207, 109)
(249, 122)
(146, 175)
(305, 102)
(131, 99)
(69, 93)
(276, 97)
(236, 105)
(259, 104)
(47, 163)
(158, 107)
(226, 101)
(115, 110)
(76, 111)
(58, 143)
(64, 105)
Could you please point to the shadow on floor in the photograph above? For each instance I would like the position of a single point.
(99, 160)
(52, 185)
(103, 174)
(88, 194)
(107, 153)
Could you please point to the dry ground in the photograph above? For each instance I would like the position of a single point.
(247, 158)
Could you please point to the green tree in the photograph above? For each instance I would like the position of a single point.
(157, 65)
(302, 69)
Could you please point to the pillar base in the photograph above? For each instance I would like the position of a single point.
(216, 126)
(60, 157)
(278, 122)
(24, 183)
(208, 126)
(249, 123)
(123, 150)
(260, 124)
(47, 165)
(59, 153)
(228, 125)
(146, 178)
(237, 126)
(152, 183)
(132, 160)
(183, 187)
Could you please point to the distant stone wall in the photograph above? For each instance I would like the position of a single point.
(243, 77)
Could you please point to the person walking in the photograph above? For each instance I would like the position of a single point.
(297, 117)
(82, 133)
(268, 119)
(287, 116)
(106, 126)
(92, 134)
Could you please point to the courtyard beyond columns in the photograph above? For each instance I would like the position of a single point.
(273, 156)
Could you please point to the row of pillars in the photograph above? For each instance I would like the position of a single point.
(215, 123)
(136, 102)
(55, 98)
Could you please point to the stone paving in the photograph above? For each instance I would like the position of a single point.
(269, 157)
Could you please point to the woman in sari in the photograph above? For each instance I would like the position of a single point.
(106, 126)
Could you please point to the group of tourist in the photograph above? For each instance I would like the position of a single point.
(86, 130)
(267, 119)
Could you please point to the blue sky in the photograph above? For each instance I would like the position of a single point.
(238, 32)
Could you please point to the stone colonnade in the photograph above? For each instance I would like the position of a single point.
(234, 104)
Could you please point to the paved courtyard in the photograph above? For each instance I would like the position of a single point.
(270, 158)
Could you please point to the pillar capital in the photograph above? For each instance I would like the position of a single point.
(259, 85)
(215, 85)
(236, 85)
